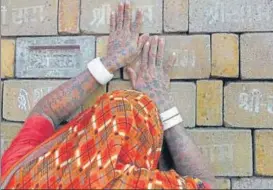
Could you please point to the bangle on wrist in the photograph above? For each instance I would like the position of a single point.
(170, 118)
(99, 72)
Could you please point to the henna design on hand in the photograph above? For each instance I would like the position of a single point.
(152, 76)
(124, 44)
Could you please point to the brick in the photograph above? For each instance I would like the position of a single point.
(184, 94)
(20, 96)
(53, 57)
(101, 50)
(252, 183)
(7, 58)
(209, 102)
(29, 17)
(95, 15)
(94, 97)
(176, 15)
(69, 16)
(256, 55)
(230, 16)
(8, 132)
(222, 183)
(264, 152)
(248, 104)
(193, 56)
(225, 55)
(228, 151)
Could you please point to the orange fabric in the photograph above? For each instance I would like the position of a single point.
(35, 130)
(115, 144)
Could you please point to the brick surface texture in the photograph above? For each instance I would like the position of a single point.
(257, 48)
(222, 183)
(228, 151)
(7, 58)
(230, 16)
(95, 15)
(29, 17)
(252, 183)
(69, 14)
(248, 104)
(209, 102)
(225, 55)
(222, 81)
(264, 152)
(176, 15)
(193, 54)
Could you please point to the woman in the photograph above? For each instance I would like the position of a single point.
(116, 143)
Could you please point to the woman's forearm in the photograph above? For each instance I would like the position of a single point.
(187, 158)
(66, 99)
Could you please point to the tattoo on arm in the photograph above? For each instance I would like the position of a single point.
(186, 156)
(66, 99)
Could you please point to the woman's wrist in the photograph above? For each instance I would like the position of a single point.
(110, 63)
(165, 103)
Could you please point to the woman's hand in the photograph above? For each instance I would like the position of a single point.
(124, 44)
(152, 76)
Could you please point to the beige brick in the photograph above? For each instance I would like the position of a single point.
(193, 56)
(8, 132)
(20, 96)
(264, 152)
(176, 15)
(101, 50)
(7, 58)
(69, 13)
(119, 85)
(222, 183)
(29, 17)
(184, 94)
(248, 104)
(209, 102)
(230, 16)
(225, 55)
(228, 151)
(94, 97)
(95, 15)
(252, 183)
(256, 55)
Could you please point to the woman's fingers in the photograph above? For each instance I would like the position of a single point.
(127, 16)
(113, 22)
(160, 52)
(132, 75)
(120, 16)
(153, 53)
(142, 41)
(145, 57)
(136, 27)
(170, 63)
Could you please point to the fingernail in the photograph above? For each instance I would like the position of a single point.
(148, 43)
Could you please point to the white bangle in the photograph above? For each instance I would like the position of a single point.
(172, 122)
(169, 113)
(99, 72)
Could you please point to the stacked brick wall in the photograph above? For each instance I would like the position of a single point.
(222, 80)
